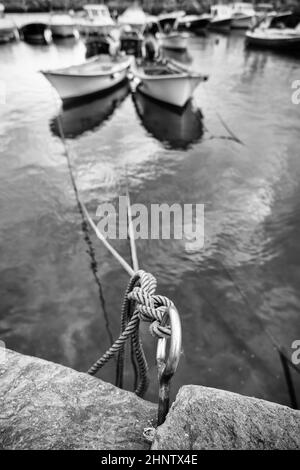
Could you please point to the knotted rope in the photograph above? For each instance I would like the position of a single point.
(140, 303)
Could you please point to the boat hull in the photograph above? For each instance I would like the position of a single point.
(195, 26)
(176, 42)
(75, 86)
(173, 91)
(36, 33)
(223, 25)
(243, 22)
(64, 30)
(291, 43)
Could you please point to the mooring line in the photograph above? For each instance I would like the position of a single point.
(91, 250)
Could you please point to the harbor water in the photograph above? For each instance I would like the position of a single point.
(235, 148)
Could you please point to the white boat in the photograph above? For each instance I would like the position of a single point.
(97, 19)
(173, 40)
(221, 18)
(63, 26)
(242, 14)
(275, 38)
(167, 81)
(133, 16)
(99, 74)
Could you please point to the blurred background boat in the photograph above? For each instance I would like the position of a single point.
(221, 18)
(176, 129)
(96, 19)
(36, 33)
(63, 26)
(242, 14)
(280, 31)
(89, 114)
(196, 24)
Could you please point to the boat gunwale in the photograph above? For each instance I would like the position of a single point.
(62, 72)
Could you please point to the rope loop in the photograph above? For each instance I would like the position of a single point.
(151, 308)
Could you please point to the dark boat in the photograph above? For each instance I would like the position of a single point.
(36, 33)
(176, 129)
(222, 25)
(132, 41)
(96, 45)
(89, 114)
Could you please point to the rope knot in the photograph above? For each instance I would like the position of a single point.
(151, 308)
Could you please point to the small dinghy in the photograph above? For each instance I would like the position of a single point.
(173, 40)
(36, 33)
(167, 81)
(99, 74)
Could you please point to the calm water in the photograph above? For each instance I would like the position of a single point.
(251, 261)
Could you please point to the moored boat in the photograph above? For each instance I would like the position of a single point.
(242, 14)
(196, 24)
(97, 19)
(63, 26)
(287, 39)
(96, 75)
(173, 40)
(221, 18)
(168, 21)
(133, 16)
(280, 31)
(167, 81)
(36, 33)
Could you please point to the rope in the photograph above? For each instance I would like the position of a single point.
(140, 304)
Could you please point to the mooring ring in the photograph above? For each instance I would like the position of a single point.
(167, 368)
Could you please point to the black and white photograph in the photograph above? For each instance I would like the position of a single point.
(150, 228)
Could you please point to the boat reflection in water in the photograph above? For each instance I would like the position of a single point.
(88, 114)
(175, 128)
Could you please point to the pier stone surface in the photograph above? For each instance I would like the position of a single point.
(49, 406)
(206, 418)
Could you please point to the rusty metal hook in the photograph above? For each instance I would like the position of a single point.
(167, 367)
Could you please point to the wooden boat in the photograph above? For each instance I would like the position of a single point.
(167, 81)
(99, 74)
(196, 24)
(63, 26)
(88, 114)
(173, 40)
(36, 33)
(221, 18)
(97, 19)
(175, 128)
